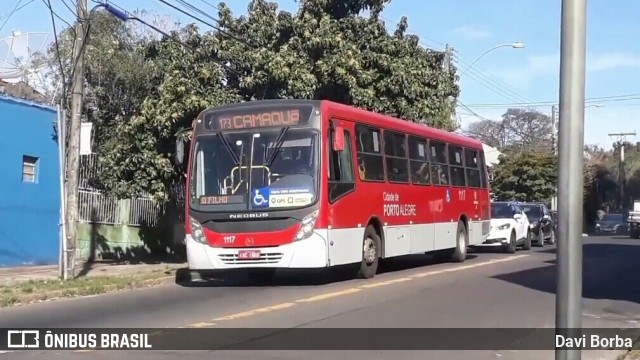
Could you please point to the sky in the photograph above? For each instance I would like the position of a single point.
(501, 78)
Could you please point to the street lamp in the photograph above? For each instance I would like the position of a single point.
(515, 45)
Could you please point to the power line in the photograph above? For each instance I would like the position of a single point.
(53, 13)
(57, 44)
(472, 112)
(15, 8)
(474, 68)
(70, 8)
(486, 82)
(476, 74)
(612, 98)
(204, 22)
(9, 14)
(198, 10)
(128, 16)
(422, 37)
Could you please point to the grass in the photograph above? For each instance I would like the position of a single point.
(41, 290)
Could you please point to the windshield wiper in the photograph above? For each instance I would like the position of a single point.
(277, 146)
(227, 146)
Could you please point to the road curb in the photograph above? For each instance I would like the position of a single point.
(79, 292)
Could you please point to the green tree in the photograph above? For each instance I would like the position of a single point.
(324, 51)
(116, 76)
(139, 158)
(631, 170)
(518, 129)
(327, 51)
(525, 176)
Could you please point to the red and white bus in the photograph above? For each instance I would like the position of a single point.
(330, 185)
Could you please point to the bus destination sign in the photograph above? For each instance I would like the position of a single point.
(258, 118)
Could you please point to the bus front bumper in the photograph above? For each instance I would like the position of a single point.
(309, 253)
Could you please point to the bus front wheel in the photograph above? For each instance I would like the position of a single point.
(370, 253)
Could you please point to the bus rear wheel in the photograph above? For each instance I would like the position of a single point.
(462, 242)
(371, 244)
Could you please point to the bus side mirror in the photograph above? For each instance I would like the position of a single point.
(178, 156)
(338, 139)
(182, 141)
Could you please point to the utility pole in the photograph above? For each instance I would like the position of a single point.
(446, 66)
(554, 146)
(448, 53)
(619, 143)
(73, 160)
(554, 129)
(571, 151)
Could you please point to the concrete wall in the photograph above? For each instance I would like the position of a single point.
(29, 210)
(122, 241)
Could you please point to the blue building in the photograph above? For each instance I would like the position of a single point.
(29, 184)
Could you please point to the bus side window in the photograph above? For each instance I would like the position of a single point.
(457, 166)
(483, 170)
(341, 180)
(418, 153)
(396, 156)
(472, 164)
(370, 160)
(439, 166)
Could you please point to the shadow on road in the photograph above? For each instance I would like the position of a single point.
(609, 272)
(306, 277)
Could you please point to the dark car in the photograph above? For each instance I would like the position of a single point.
(612, 224)
(542, 224)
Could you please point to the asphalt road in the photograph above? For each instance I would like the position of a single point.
(489, 290)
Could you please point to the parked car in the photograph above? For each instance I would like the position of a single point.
(509, 228)
(612, 224)
(542, 224)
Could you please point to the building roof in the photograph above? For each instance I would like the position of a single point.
(22, 90)
(491, 155)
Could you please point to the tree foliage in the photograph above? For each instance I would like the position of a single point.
(518, 129)
(117, 79)
(527, 175)
(141, 92)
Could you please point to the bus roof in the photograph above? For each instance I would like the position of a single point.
(367, 117)
(395, 124)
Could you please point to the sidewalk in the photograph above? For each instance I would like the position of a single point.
(21, 274)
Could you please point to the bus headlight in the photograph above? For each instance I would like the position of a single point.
(196, 231)
(306, 227)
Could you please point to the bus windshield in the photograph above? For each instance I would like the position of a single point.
(284, 170)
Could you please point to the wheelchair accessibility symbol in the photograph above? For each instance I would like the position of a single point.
(259, 200)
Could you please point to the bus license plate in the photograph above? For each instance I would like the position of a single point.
(248, 254)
